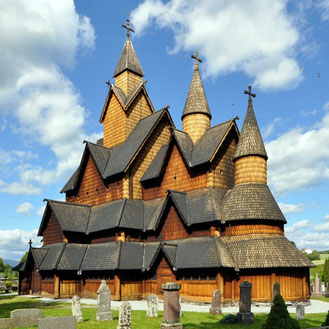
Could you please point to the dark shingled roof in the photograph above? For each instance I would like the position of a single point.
(131, 256)
(72, 257)
(265, 251)
(196, 101)
(250, 142)
(113, 161)
(202, 252)
(150, 252)
(152, 212)
(38, 255)
(52, 257)
(251, 201)
(72, 217)
(203, 151)
(102, 256)
(128, 60)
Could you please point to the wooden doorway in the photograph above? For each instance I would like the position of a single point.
(164, 275)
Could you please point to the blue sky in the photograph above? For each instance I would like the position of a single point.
(56, 56)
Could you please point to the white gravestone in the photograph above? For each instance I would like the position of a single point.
(152, 306)
(104, 303)
(76, 308)
(124, 316)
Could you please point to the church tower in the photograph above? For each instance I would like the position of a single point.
(127, 101)
(250, 156)
(196, 114)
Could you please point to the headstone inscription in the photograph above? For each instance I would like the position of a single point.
(104, 303)
(124, 316)
(152, 306)
(300, 311)
(64, 322)
(216, 304)
(245, 315)
(28, 317)
(76, 308)
(171, 307)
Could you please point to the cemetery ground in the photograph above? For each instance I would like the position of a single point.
(190, 320)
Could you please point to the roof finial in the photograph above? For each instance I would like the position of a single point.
(128, 28)
(30, 243)
(250, 94)
(197, 60)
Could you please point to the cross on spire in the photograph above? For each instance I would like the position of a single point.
(128, 28)
(197, 60)
(30, 243)
(250, 95)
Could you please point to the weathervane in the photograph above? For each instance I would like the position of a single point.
(128, 28)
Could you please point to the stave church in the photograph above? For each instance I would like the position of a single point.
(150, 204)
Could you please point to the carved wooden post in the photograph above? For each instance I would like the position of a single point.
(56, 286)
(117, 287)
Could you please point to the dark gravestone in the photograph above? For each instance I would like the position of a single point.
(276, 290)
(245, 315)
(171, 308)
(216, 304)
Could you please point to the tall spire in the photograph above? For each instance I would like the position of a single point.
(250, 142)
(128, 59)
(196, 101)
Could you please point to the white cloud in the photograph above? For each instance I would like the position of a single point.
(298, 226)
(321, 227)
(14, 243)
(326, 217)
(258, 38)
(41, 210)
(38, 40)
(269, 129)
(299, 158)
(19, 188)
(291, 208)
(25, 208)
(323, 6)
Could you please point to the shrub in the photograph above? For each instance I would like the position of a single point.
(279, 317)
(313, 256)
(228, 319)
(9, 284)
(326, 323)
(325, 274)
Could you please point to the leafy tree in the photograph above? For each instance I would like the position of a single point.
(24, 257)
(279, 317)
(313, 256)
(2, 265)
(325, 274)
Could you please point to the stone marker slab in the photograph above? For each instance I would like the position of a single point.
(76, 308)
(104, 303)
(245, 315)
(300, 312)
(27, 317)
(5, 323)
(64, 322)
(152, 306)
(124, 316)
(216, 304)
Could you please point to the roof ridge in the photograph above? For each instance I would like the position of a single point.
(60, 255)
(98, 145)
(222, 123)
(68, 203)
(82, 260)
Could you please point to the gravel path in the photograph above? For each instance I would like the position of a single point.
(316, 306)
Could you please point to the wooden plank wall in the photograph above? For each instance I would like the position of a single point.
(53, 232)
(232, 230)
(92, 190)
(177, 177)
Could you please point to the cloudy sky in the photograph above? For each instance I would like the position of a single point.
(56, 56)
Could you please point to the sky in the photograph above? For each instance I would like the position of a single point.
(56, 56)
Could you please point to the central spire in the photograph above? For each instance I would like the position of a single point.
(128, 59)
(196, 114)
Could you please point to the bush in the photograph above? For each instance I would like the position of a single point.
(313, 256)
(279, 317)
(326, 323)
(228, 319)
(9, 284)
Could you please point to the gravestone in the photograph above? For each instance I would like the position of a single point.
(317, 284)
(104, 303)
(152, 306)
(245, 315)
(28, 317)
(300, 312)
(76, 308)
(64, 322)
(5, 323)
(312, 285)
(124, 316)
(276, 289)
(216, 304)
(322, 287)
(171, 306)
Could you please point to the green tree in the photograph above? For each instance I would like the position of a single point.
(326, 322)
(313, 256)
(279, 317)
(24, 257)
(325, 274)
(2, 265)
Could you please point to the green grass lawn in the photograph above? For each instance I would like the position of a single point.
(321, 261)
(190, 320)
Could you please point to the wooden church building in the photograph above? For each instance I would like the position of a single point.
(150, 204)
